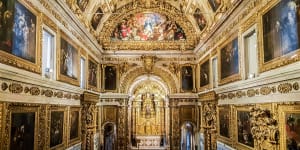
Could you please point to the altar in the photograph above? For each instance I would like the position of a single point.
(149, 143)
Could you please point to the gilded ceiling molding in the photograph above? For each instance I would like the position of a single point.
(170, 80)
(163, 8)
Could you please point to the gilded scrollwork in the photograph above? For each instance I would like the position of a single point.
(15, 88)
(35, 91)
(265, 90)
(285, 88)
(264, 129)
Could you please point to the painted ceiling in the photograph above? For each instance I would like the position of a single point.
(149, 24)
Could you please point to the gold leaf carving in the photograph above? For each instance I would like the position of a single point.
(265, 90)
(285, 88)
(15, 88)
(35, 91)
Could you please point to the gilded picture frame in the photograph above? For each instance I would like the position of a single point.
(57, 127)
(204, 74)
(22, 124)
(93, 74)
(229, 61)
(74, 130)
(68, 58)
(18, 48)
(289, 126)
(243, 138)
(110, 78)
(187, 78)
(224, 126)
(278, 39)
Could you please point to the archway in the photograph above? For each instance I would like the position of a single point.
(109, 136)
(187, 141)
(148, 113)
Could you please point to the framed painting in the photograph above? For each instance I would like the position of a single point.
(200, 20)
(93, 74)
(74, 126)
(243, 136)
(289, 123)
(23, 128)
(229, 66)
(57, 121)
(215, 4)
(205, 74)
(224, 123)
(68, 55)
(19, 35)
(187, 78)
(110, 77)
(96, 18)
(279, 28)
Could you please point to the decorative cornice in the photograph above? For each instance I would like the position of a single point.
(280, 88)
(14, 87)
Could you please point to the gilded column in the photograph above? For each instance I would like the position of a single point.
(122, 125)
(88, 119)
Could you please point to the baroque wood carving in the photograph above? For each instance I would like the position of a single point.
(264, 129)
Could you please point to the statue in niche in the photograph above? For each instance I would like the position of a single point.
(148, 104)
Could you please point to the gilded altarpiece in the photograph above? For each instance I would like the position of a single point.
(148, 115)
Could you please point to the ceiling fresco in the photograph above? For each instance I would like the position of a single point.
(149, 24)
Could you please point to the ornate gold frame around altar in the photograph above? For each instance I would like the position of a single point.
(60, 76)
(284, 110)
(221, 138)
(274, 62)
(158, 7)
(95, 88)
(207, 86)
(234, 77)
(10, 59)
(64, 134)
(236, 109)
(194, 77)
(19, 108)
(78, 138)
(103, 77)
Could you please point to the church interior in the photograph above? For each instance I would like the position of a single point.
(149, 74)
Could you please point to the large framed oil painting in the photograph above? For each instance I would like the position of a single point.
(110, 77)
(75, 126)
(229, 61)
(289, 121)
(19, 35)
(224, 122)
(200, 20)
(22, 127)
(187, 78)
(147, 26)
(69, 61)
(56, 133)
(93, 74)
(280, 34)
(243, 128)
(96, 18)
(204, 74)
